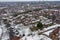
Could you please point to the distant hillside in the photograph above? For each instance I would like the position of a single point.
(31, 3)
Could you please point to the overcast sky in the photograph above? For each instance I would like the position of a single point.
(26, 0)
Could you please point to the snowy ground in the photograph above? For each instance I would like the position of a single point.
(29, 35)
(35, 35)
